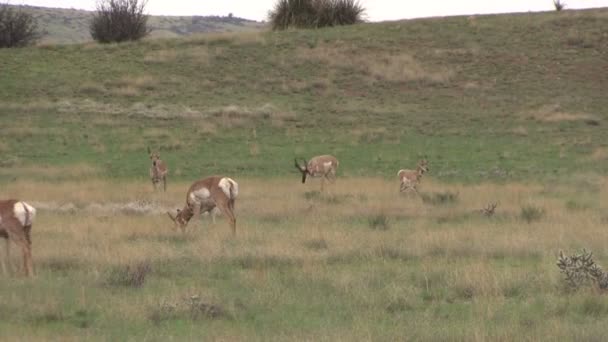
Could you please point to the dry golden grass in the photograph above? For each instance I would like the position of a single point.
(47, 171)
(554, 113)
(600, 153)
(448, 252)
(383, 65)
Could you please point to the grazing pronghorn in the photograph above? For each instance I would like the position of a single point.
(205, 195)
(411, 178)
(321, 166)
(16, 218)
(158, 170)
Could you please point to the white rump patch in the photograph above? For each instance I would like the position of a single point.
(25, 217)
(200, 195)
(229, 187)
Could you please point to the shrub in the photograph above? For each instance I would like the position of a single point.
(17, 28)
(559, 5)
(580, 270)
(315, 13)
(129, 275)
(531, 213)
(119, 21)
(379, 222)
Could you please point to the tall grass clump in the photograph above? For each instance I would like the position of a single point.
(379, 222)
(129, 275)
(530, 213)
(440, 198)
(315, 13)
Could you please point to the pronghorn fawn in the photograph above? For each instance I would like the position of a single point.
(324, 166)
(158, 170)
(16, 218)
(411, 178)
(205, 195)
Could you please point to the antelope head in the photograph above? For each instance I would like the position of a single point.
(303, 169)
(182, 217)
(154, 156)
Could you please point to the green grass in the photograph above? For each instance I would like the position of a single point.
(498, 98)
(507, 109)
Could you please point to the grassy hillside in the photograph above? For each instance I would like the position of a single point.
(490, 97)
(61, 26)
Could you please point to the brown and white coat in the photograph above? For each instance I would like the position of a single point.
(158, 170)
(16, 218)
(411, 178)
(205, 195)
(324, 166)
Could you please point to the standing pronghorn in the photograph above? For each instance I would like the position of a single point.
(158, 170)
(205, 195)
(321, 166)
(16, 218)
(411, 178)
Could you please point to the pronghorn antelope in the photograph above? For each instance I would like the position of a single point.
(321, 166)
(411, 178)
(205, 195)
(158, 170)
(16, 218)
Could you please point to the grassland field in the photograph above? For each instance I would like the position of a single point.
(508, 109)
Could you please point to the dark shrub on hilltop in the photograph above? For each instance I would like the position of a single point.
(315, 13)
(119, 21)
(17, 28)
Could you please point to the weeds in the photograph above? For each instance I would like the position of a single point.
(531, 213)
(133, 275)
(316, 244)
(440, 198)
(379, 222)
(192, 308)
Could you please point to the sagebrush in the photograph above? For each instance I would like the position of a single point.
(315, 13)
(17, 28)
(119, 20)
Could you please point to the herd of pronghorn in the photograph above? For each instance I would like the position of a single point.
(205, 195)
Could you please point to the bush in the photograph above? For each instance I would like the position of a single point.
(315, 13)
(119, 21)
(531, 213)
(580, 270)
(379, 222)
(133, 275)
(559, 5)
(17, 28)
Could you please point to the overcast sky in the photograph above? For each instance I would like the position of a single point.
(377, 10)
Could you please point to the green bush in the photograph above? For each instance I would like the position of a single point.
(17, 28)
(119, 20)
(315, 13)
